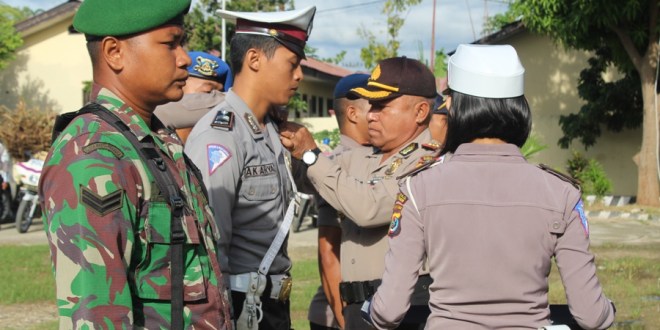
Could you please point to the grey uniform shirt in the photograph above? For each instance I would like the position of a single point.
(187, 111)
(363, 189)
(489, 224)
(245, 171)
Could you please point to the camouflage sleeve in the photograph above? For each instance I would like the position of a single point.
(89, 195)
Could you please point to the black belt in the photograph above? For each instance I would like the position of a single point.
(357, 292)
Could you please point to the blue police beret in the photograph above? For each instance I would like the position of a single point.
(207, 66)
(344, 85)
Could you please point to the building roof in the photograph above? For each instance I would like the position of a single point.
(323, 70)
(504, 33)
(47, 18)
(497, 37)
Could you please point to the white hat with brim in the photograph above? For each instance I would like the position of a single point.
(491, 71)
(291, 28)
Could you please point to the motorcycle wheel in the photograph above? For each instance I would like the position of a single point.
(23, 218)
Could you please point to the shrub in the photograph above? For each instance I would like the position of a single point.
(24, 131)
(590, 174)
(532, 146)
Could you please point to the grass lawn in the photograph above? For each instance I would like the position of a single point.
(630, 275)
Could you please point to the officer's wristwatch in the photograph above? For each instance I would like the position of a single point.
(309, 157)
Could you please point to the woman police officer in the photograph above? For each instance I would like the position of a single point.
(489, 222)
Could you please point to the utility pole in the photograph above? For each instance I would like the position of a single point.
(433, 40)
(224, 34)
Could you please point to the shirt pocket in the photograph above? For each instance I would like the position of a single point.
(152, 275)
(260, 189)
(260, 202)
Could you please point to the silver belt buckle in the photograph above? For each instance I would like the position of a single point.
(285, 289)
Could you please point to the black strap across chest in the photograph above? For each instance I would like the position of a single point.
(150, 156)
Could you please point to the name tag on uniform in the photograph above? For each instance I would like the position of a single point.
(259, 170)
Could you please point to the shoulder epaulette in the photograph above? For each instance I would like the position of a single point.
(223, 119)
(562, 176)
(433, 145)
(428, 163)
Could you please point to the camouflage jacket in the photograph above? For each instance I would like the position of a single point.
(109, 229)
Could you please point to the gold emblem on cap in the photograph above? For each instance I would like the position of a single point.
(206, 66)
(272, 32)
(376, 74)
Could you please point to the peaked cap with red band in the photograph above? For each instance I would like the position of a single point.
(291, 28)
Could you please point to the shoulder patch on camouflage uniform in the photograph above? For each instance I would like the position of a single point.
(252, 122)
(407, 150)
(223, 119)
(101, 205)
(561, 176)
(88, 149)
(424, 162)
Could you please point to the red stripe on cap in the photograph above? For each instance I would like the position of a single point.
(243, 25)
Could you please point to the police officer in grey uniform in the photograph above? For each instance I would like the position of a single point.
(489, 222)
(209, 78)
(325, 309)
(245, 167)
(362, 184)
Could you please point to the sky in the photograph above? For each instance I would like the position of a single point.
(336, 24)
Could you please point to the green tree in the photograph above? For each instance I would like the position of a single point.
(626, 33)
(376, 50)
(10, 40)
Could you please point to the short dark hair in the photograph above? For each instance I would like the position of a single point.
(471, 117)
(93, 48)
(241, 43)
(340, 105)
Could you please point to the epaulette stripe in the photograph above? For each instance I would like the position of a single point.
(562, 176)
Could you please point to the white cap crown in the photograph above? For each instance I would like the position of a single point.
(492, 71)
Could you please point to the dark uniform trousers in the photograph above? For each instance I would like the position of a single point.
(355, 294)
(276, 313)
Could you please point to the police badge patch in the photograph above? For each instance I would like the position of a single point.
(395, 224)
(217, 155)
(579, 207)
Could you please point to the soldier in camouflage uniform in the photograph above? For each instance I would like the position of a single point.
(107, 223)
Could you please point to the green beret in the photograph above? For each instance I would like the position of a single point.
(123, 17)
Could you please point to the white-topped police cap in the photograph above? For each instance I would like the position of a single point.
(291, 28)
(492, 71)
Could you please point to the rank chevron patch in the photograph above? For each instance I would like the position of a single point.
(101, 205)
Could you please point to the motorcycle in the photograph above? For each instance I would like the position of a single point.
(27, 177)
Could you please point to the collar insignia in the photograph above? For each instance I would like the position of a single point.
(394, 166)
(409, 149)
(252, 122)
